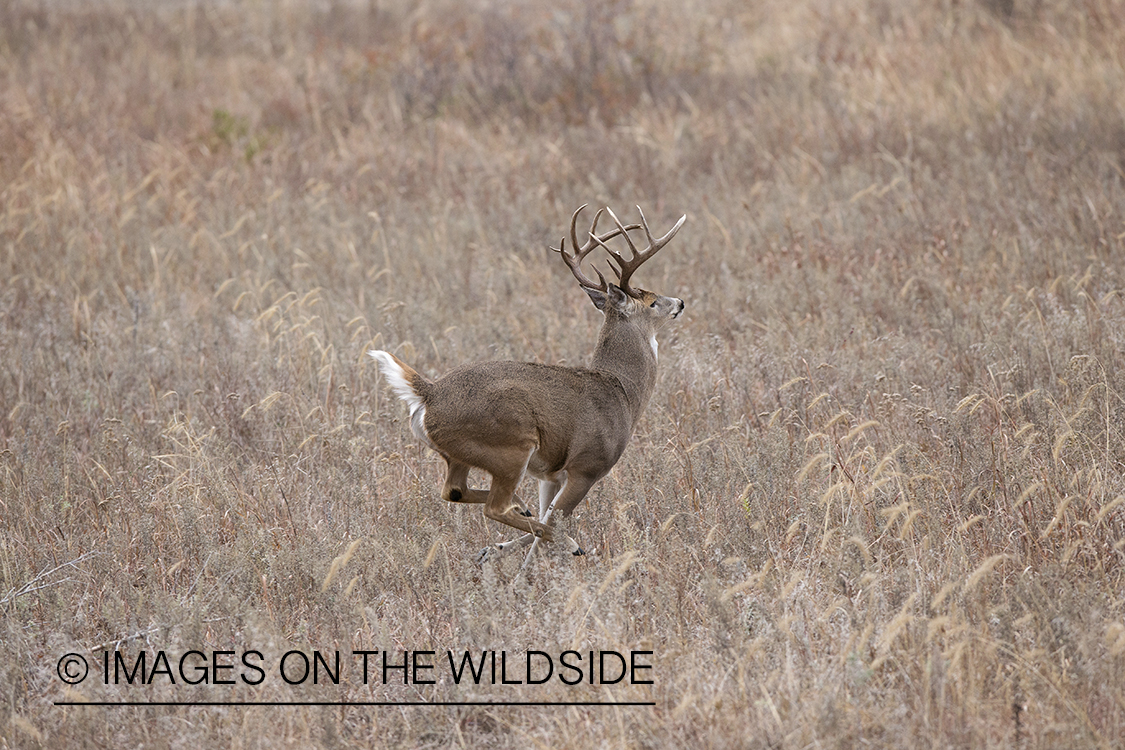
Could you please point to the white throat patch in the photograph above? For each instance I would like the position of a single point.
(652, 343)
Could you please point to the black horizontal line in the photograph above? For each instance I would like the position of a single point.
(355, 703)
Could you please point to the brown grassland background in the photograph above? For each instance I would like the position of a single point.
(877, 498)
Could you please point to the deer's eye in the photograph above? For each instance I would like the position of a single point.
(653, 304)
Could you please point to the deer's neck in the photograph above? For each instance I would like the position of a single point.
(630, 354)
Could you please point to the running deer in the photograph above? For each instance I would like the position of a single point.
(565, 426)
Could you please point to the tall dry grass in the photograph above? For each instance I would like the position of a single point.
(877, 498)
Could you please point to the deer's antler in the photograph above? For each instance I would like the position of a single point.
(625, 268)
(574, 262)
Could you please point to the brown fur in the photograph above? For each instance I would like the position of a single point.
(565, 426)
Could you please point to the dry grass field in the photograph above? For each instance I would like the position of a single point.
(877, 499)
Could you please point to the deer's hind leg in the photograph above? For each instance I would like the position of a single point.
(503, 505)
(549, 489)
(456, 489)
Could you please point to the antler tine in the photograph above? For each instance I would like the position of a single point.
(627, 267)
(586, 247)
(619, 269)
(574, 262)
(663, 240)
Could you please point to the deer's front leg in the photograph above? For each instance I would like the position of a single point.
(500, 549)
(548, 490)
(573, 492)
(550, 498)
(577, 485)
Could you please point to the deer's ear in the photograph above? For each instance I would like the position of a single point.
(618, 298)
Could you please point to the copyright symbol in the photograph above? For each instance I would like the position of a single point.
(72, 669)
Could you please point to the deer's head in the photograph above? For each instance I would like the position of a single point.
(621, 302)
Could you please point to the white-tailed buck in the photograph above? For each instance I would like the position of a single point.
(565, 426)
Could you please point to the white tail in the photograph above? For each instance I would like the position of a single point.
(401, 379)
(565, 426)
